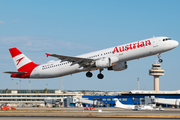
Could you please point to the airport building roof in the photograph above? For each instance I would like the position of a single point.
(154, 92)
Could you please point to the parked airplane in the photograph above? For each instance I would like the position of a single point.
(114, 58)
(134, 107)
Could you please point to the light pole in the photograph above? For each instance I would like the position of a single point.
(30, 86)
(62, 84)
(138, 83)
(20, 84)
(47, 86)
(62, 92)
(16, 86)
(12, 83)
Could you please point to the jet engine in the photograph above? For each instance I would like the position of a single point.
(103, 62)
(118, 67)
(106, 62)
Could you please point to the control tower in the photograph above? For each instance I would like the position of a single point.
(156, 71)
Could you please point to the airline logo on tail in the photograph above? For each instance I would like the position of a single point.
(23, 64)
(19, 60)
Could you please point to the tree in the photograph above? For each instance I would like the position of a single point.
(7, 90)
(46, 90)
(83, 92)
(38, 91)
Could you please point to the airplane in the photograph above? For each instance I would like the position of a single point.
(133, 107)
(114, 58)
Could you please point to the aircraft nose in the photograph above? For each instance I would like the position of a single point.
(176, 43)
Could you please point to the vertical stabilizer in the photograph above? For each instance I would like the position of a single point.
(118, 104)
(21, 62)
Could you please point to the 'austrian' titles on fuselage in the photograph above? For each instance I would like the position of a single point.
(132, 46)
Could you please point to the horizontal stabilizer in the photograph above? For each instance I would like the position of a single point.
(17, 73)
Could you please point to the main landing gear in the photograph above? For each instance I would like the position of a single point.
(100, 75)
(160, 60)
(89, 74)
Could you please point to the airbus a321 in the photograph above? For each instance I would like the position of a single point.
(133, 107)
(114, 58)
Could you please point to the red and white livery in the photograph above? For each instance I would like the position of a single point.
(114, 58)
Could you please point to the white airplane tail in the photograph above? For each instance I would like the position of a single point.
(118, 104)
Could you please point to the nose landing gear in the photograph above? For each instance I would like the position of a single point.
(160, 60)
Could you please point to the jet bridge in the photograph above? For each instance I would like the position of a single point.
(90, 102)
(174, 102)
(153, 100)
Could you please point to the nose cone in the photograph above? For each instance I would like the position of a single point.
(176, 43)
(171, 44)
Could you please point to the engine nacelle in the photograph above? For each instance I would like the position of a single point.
(119, 66)
(103, 62)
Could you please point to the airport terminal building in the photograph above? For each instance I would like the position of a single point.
(106, 98)
(35, 96)
(134, 97)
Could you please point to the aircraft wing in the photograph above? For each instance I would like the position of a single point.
(75, 60)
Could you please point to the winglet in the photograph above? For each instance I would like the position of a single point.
(47, 54)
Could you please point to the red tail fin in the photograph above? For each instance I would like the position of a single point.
(23, 63)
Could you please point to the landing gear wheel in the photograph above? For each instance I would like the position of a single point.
(89, 74)
(100, 76)
(160, 60)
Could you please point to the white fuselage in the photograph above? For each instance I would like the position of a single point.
(126, 52)
(134, 107)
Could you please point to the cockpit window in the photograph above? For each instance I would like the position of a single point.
(166, 39)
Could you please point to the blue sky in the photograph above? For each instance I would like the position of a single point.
(70, 27)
